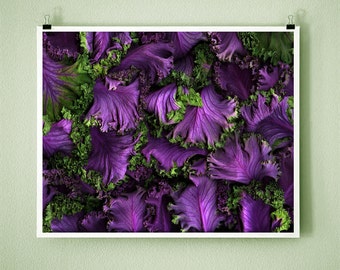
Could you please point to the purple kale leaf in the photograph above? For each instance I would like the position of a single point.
(196, 206)
(234, 80)
(155, 60)
(162, 102)
(286, 180)
(268, 77)
(57, 140)
(95, 222)
(109, 155)
(68, 223)
(116, 109)
(226, 45)
(255, 113)
(205, 124)
(62, 44)
(99, 44)
(167, 154)
(271, 121)
(243, 163)
(158, 218)
(49, 192)
(128, 212)
(56, 91)
(185, 65)
(183, 42)
(255, 215)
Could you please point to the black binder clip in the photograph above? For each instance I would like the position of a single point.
(290, 24)
(47, 25)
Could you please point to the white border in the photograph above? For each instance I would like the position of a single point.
(295, 234)
(39, 134)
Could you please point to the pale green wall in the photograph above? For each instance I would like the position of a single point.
(320, 139)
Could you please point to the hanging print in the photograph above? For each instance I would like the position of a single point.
(185, 133)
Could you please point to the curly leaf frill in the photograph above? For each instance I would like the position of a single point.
(62, 44)
(57, 182)
(277, 77)
(48, 192)
(255, 113)
(268, 77)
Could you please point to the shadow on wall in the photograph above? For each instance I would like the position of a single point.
(306, 203)
(57, 16)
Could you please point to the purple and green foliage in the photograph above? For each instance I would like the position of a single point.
(168, 132)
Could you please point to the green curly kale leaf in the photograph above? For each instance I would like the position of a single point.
(272, 47)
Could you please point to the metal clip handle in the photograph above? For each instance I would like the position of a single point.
(290, 24)
(47, 25)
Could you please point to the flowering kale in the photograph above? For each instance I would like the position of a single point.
(255, 113)
(199, 167)
(97, 44)
(182, 42)
(49, 192)
(56, 91)
(185, 65)
(167, 132)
